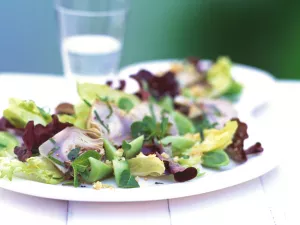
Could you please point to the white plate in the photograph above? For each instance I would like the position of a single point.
(258, 84)
(49, 91)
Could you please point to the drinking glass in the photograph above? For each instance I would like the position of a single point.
(91, 34)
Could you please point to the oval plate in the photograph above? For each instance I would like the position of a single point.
(51, 90)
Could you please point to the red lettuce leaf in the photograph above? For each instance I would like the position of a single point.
(236, 150)
(159, 86)
(122, 84)
(256, 148)
(181, 174)
(36, 135)
(5, 125)
(150, 149)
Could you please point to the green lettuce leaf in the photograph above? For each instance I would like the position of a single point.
(219, 76)
(183, 123)
(215, 139)
(37, 169)
(82, 113)
(146, 166)
(64, 118)
(234, 91)
(215, 159)
(7, 144)
(20, 112)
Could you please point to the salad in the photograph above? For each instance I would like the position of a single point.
(165, 129)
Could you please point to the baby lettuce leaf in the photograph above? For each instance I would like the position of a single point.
(158, 86)
(219, 76)
(146, 166)
(215, 159)
(178, 142)
(38, 169)
(82, 113)
(236, 149)
(125, 104)
(215, 139)
(5, 125)
(181, 174)
(20, 112)
(183, 124)
(7, 144)
(149, 128)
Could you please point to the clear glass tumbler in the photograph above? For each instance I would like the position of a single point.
(92, 34)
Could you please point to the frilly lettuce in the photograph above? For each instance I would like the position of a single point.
(146, 165)
(179, 143)
(7, 144)
(35, 168)
(20, 112)
(216, 139)
(82, 113)
(219, 76)
(64, 118)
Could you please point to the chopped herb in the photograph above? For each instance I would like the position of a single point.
(73, 154)
(105, 99)
(159, 183)
(125, 104)
(126, 146)
(87, 103)
(164, 126)
(43, 113)
(56, 161)
(202, 124)
(101, 121)
(217, 112)
(151, 107)
(52, 141)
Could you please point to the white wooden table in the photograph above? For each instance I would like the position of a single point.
(268, 200)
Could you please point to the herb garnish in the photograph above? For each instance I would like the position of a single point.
(73, 154)
(87, 103)
(52, 141)
(126, 146)
(127, 180)
(105, 99)
(202, 124)
(101, 121)
(55, 160)
(81, 163)
(149, 128)
(125, 104)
